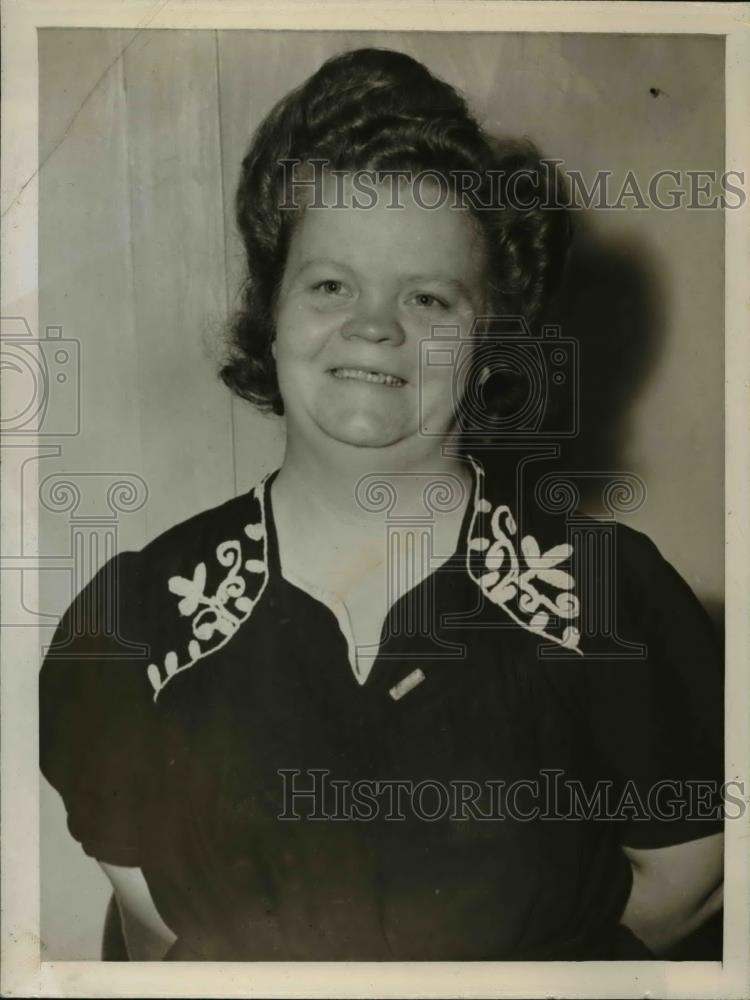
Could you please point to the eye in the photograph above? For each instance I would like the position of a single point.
(428, 301)
(331, 286)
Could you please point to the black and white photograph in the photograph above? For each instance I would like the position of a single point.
(375, 488)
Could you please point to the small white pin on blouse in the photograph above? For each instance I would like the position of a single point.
(407, 684)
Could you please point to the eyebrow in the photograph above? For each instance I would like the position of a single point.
(322, 262)
(443, 279)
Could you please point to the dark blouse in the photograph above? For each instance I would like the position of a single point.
(552, 692)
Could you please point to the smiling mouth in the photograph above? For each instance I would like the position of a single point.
(364, 375)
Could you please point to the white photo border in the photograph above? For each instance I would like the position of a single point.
(23, 971)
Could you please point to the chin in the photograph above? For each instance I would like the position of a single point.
(365, 437)
(362, 425)
(364, 432)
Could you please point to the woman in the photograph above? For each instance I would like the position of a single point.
(259, 744)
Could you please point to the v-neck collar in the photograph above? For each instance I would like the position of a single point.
(333, 603)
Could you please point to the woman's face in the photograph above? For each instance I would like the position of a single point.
(362, 287)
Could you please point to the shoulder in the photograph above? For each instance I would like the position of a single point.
(166, 605)
(200, 535)
(652, 586)
(643, 616)
(208, 538)
(631, 590)
(571, 576)
(200, 581)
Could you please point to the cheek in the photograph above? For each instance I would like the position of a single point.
(440, 392)
(451, 377)
(300, 332)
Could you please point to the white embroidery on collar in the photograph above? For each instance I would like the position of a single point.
(216, 618)
(510, 578)
(509, 582)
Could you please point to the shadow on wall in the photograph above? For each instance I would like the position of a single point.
(612, 304)
(715, 611)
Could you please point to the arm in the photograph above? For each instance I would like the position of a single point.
(675, 889)
(147, 936)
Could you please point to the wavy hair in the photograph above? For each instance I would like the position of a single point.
(380, 110)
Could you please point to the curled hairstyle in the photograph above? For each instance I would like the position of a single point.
(380, 110)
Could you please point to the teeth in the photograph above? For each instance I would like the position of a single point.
(365, 376)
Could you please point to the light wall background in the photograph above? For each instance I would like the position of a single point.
(141, 138)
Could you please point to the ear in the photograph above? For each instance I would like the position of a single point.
(273, 349)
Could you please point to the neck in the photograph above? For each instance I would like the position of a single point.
(331, 479)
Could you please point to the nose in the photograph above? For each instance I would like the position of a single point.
(376, 322)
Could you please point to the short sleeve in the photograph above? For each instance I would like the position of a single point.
(97, 726)
(655, 703)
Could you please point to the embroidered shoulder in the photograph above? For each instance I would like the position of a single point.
(215, 617)
(510, 578)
